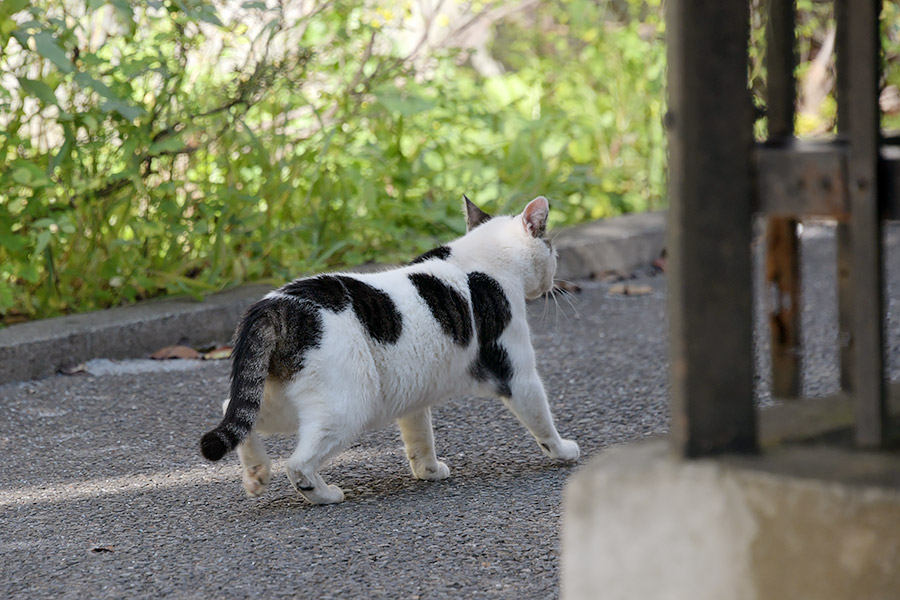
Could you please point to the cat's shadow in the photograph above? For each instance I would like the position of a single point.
(465, 484)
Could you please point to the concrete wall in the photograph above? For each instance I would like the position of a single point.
(641, 524)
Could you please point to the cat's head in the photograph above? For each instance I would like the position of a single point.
(520, 240)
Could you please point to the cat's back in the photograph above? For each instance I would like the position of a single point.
(437, 344)
(432, 300)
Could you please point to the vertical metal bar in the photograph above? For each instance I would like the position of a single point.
(782, 248)
(859, 123)
(709, 227)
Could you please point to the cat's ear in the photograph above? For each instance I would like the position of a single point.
(534, 217)
(474, 215)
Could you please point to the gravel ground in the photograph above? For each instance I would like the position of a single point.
(105, 495)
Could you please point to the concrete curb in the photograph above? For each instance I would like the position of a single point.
(41, 348)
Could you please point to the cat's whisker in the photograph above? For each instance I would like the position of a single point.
(566, 295)
(549, 296)
(572, 300)
(561, 283)
(556, 302)
(546, 310)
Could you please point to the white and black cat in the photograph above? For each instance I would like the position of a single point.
(332, 356)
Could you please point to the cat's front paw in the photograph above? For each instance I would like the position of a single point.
(567, 450)
(255, 479)
(435, 471)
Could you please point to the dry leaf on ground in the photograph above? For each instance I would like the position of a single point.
(220, 353)
(610, 276)
(175, 352)
(568, 286)
(626, 289)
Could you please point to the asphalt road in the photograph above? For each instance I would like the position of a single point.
(103, 492)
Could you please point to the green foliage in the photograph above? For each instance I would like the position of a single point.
(815, 20)
(135, 161)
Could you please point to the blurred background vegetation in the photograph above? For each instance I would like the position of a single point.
(175, 146)
(171, 146)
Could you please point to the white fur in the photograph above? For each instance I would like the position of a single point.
(352, 383)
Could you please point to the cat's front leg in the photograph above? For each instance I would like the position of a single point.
(418, 436)
(528, 402)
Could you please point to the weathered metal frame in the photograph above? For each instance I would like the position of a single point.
(719, 179)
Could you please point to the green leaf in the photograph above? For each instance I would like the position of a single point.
(7, 28)
(7, 299)
(580, 150)
(29, 174)
(29, 272)
(208, 14)
(86, 81)
(63, 153)
(166, 144)
(38, 89)
(43, 239)
(43, 223)
(22, 176)
(12, 242)
(404, 104)
(113, 102)
(11, 7)
(126, 110)
(125, 12)
(47, 47)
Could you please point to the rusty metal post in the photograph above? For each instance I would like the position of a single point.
(783, 279)
(709, 228)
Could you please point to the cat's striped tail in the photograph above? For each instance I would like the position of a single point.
(249, 369)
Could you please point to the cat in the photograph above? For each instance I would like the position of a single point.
(331, 356)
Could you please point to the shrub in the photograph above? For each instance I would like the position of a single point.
(166, 147)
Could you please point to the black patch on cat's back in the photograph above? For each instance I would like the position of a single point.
(448, 307)
(326, 291)
(492, 315)
(441, 253)
(299, 329)
(374, 309)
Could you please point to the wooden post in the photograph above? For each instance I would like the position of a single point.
(860, 243)
(709, 229)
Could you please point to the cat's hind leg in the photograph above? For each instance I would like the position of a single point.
(256, 467)
(528, 402)
(317, 443)
(415, 429)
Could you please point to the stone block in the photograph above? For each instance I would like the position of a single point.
(794, 523)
